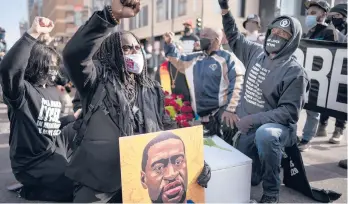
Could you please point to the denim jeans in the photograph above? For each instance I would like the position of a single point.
(264, 147)
(311, 126)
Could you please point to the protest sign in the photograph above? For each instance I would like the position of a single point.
(326, 66)
(162, 167)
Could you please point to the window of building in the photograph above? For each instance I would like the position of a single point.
(140, 20)
(182, 7)
(144, 16)
(162, 10)
(241, 8)
(179, 8)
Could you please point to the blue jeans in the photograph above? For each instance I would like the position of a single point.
(264, 147)
(311, 126)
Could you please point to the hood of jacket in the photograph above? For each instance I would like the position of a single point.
(294, 41)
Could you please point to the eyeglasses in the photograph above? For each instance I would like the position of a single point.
(127, 48)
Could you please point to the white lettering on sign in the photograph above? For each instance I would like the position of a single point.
(327, 94)
(337, 79)
(48, 121)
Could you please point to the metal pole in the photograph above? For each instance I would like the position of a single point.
(153, 32)
(171, 9)
(202, 12)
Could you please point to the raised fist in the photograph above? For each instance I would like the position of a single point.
(125, 8)
(223, 4)
(168, 37)
(41, 25)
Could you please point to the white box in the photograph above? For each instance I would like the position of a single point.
(231, 174)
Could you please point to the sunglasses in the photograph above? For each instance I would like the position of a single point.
(127, 48)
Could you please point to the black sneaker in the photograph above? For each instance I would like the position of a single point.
(269, 199)
(304, 146)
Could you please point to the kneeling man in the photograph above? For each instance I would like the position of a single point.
(272, 98)
(215, 79)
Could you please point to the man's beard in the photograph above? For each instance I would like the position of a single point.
(159, 199)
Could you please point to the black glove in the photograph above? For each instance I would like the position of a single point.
(205, 175)
(223, 4)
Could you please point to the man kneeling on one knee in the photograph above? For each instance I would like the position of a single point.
(272, 98)
(215, 79)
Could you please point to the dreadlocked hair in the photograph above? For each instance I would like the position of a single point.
(111, 55)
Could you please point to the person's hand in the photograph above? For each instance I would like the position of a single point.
(41, 25)
(125, 8)
(205, 176)
(245, 124)
(2, 54)
(223, 4)
(77, 113)
(168, 37)
(229, 118)
(60, 88)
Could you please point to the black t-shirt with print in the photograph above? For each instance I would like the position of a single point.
(33, 112)
(35, 125)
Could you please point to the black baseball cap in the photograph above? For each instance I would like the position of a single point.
(320, 3)
(284, 24)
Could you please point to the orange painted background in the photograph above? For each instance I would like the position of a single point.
(131, 150)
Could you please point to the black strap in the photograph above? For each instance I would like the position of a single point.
(98, 97)
(295, 177)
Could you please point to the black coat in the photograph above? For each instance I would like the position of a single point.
(96, 162)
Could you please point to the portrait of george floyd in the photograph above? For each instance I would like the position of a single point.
(162, 167)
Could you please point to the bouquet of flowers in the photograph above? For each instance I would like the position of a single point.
(179, 110)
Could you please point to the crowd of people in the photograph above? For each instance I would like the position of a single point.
(232, 79)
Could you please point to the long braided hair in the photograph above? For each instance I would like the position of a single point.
(111, 56)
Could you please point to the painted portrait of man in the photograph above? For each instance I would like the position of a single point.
(164, 169)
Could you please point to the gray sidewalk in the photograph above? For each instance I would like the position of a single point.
(321, 166)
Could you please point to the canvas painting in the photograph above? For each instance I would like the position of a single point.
(163, 167)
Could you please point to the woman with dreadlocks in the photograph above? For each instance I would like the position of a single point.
(118, 99)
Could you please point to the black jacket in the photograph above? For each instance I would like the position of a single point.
(96, 162)
(323, 32)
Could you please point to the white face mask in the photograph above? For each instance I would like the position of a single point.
(134, 63)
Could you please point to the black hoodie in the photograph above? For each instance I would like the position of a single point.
(274, 89)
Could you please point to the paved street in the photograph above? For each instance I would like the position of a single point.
(321, 166)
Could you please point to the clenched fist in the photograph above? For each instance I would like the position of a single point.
(223, 4)
(41, 25)
(168, 37)
(125, 8)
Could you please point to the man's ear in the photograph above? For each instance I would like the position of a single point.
(143, 179)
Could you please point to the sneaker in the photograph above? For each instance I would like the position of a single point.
(336, 136)
(321, 132)
(304, 146)
(269, 199)
(343, 163)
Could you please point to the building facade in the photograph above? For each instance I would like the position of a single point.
(23, 27)
(159, 16)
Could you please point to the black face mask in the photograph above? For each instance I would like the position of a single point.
(205, 44)
(186, 30)
(275, 43)
(338, 22)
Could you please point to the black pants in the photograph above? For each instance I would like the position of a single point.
(84, 194)
(46, 181)
(216, 126)
(339, 123)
